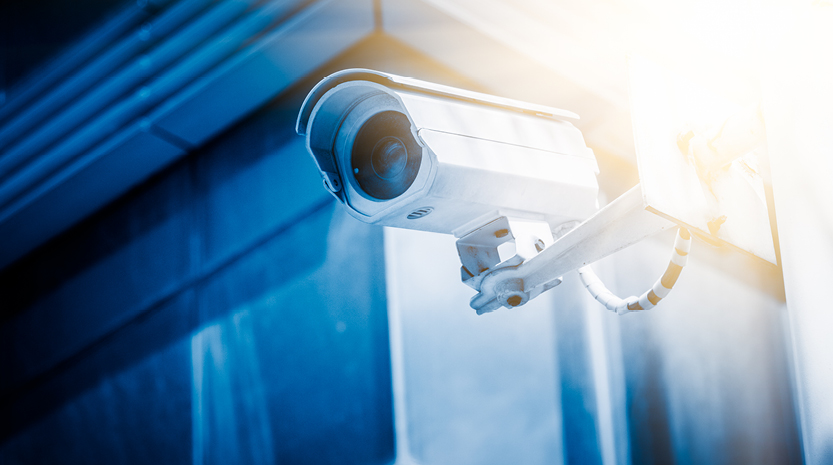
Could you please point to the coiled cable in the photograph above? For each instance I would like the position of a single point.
(650, 298)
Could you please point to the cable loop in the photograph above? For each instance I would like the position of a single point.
(650, 298)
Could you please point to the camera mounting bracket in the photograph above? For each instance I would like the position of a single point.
(588, 242)
(489, 247)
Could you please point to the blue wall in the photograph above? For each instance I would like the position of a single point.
(228, 311)
(223, 311)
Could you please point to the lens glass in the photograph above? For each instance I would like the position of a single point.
(386, 157)
(389, 157)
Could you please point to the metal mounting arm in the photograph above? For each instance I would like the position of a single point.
(622, 223)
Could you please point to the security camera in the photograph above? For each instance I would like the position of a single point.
(401, 152)
(405, 153)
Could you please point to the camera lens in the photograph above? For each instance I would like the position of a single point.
(385, 158)
(389, 157)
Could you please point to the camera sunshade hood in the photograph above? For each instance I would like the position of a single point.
(405, 83)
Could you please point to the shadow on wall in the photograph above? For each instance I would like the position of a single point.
(99, 359)
(97, 325)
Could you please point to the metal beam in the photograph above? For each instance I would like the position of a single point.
(174, 110)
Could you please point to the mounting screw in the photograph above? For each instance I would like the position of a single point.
(683, 139)
(514, 300)
(511, 293)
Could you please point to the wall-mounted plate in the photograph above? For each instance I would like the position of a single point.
(728, 206)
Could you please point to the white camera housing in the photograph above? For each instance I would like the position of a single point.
(410, 154)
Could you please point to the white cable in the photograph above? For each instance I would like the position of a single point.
(651, 297)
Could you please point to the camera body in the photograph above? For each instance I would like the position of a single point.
(406, 153)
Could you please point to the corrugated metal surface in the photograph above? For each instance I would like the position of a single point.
(161, 90)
